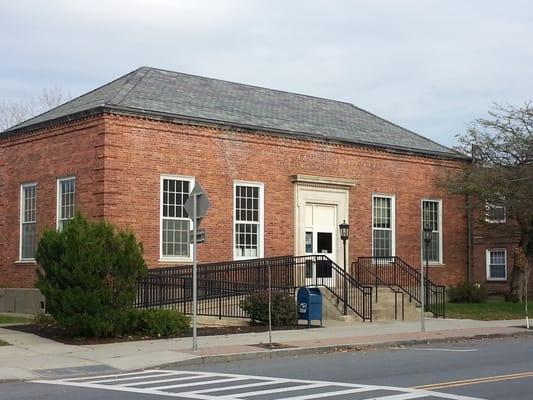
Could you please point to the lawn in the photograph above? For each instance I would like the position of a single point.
(487, 311)
(9, 319)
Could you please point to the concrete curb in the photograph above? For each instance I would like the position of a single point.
(303, 351)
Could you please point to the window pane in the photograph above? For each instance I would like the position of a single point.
(382, 243)
(430, 217)
(176, 238)
(246, 240)
(382, 212)
(29, 240)
(66, 198)
(497, 264)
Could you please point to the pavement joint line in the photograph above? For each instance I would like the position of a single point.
(474, 381)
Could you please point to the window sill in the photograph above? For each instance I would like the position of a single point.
(174, 260)
(501, 280)
(26, 262)
(434, 265)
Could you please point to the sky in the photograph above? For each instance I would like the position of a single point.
(429, 66)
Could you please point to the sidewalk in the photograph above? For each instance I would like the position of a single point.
(32, 357)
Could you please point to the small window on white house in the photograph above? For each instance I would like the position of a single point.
(497, 264)
(495, 213)
(432, 216)
(28, 221)
(175, 222)
(383, 226)
(66, 200)
(248, 220)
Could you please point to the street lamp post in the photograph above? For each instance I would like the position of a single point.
(427, 233)
(345, 234)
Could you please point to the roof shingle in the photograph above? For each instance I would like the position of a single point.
(150, 91)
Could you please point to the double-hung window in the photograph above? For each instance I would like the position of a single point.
(248, 220)
(66, 200)
(28, 221)
(496, 264)
(383, 226)
(175, 222)
(432, 216)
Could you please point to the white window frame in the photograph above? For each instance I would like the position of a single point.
(487, 264)
(261, 230)
(489, 205)
(393, 222)
(21, 216)
(163, 258)
(59, 197)
(441, 252)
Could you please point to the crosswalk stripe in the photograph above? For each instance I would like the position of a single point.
(278, 390)
(146, 382)
(130, 378)
(331, 394)
(246, 385)
(178, 379)
(141, 373)
(203, 383)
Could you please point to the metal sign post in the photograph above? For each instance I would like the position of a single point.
(194, 277)
(196, 206)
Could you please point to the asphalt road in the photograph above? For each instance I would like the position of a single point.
(489, 369)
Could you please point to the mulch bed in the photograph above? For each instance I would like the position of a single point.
(55, 333)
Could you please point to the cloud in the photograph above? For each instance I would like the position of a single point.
(430, 66)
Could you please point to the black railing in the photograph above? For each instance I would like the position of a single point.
(394, 272)
(222, 286)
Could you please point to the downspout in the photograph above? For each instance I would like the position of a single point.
(469, 240)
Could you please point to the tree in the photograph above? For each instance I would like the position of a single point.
(14, 112)
(88, 274)
(501, 173)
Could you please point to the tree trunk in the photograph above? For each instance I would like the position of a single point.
(518, 282)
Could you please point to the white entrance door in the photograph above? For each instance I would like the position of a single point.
(320, 238)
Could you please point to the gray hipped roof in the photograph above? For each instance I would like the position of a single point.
(165, 94)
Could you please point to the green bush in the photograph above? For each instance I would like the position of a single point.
(283, 308)
(88, 273)
(154, 322)
(467, 293)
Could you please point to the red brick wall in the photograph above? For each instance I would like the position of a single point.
(143, 150)
(121, 181)
(76, 149)
(493, 236)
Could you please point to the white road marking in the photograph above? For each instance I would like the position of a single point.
(278, 390)
(149, 380)
(178, 379)
(428, 349)
(203, 383)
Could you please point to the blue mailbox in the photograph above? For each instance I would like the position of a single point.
(309, 304)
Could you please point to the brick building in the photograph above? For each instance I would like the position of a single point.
(281, 170)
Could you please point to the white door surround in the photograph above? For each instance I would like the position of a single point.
(317, 190)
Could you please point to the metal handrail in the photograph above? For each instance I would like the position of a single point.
(395, 271)
(165, 286)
